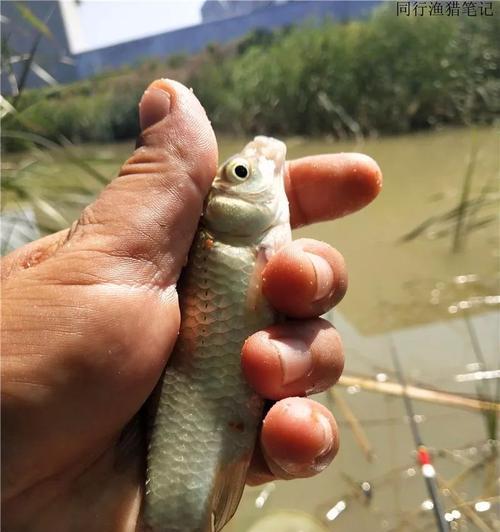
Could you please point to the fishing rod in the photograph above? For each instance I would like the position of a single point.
(423, 456)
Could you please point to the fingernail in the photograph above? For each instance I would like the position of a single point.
(301, 410)
(325, 436)
(295, 358)
(154, 106)
(325, 426)
(324, 276)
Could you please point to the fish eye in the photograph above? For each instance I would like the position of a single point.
(237, 169)
(241, 171)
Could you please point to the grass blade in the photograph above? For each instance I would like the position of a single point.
(33, 20)
(459, 235)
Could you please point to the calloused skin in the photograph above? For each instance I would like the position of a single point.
(90, 316)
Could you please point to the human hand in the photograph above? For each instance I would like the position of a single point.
(90, 316)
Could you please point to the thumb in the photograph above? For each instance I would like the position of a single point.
(143, 223)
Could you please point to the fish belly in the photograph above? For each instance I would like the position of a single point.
(207, 417)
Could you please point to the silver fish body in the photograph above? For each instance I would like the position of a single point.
(207, 417)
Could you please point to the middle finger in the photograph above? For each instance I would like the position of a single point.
(304, 279)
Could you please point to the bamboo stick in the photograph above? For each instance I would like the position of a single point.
(354, 424)
(458, 479)
(467, 510)
(419, 393)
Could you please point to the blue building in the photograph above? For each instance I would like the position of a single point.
(53, 57)
(222, 21)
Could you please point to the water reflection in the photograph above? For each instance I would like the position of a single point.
(335, 511)
(478, 376)
(262, 497)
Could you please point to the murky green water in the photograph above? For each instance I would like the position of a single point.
(419, 292)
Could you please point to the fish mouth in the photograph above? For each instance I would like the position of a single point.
(267, 147)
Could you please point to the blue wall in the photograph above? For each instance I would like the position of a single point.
(52, 53)
(195, 38)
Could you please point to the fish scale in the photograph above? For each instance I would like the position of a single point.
(203, 392)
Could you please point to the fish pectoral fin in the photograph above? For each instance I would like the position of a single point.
(227, 492)
(277, 237)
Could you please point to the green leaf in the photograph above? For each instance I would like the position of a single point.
(33, 20)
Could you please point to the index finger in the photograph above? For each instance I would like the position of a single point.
(325, 187)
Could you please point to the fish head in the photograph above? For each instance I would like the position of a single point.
(248, 196)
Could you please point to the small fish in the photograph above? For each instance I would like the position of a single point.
(207, 417)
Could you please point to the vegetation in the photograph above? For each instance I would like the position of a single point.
(387, 74)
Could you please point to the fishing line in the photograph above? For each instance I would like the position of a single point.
(423, 456)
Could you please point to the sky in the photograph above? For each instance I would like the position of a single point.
(97, 23)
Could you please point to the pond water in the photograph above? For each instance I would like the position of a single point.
(423, 272)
